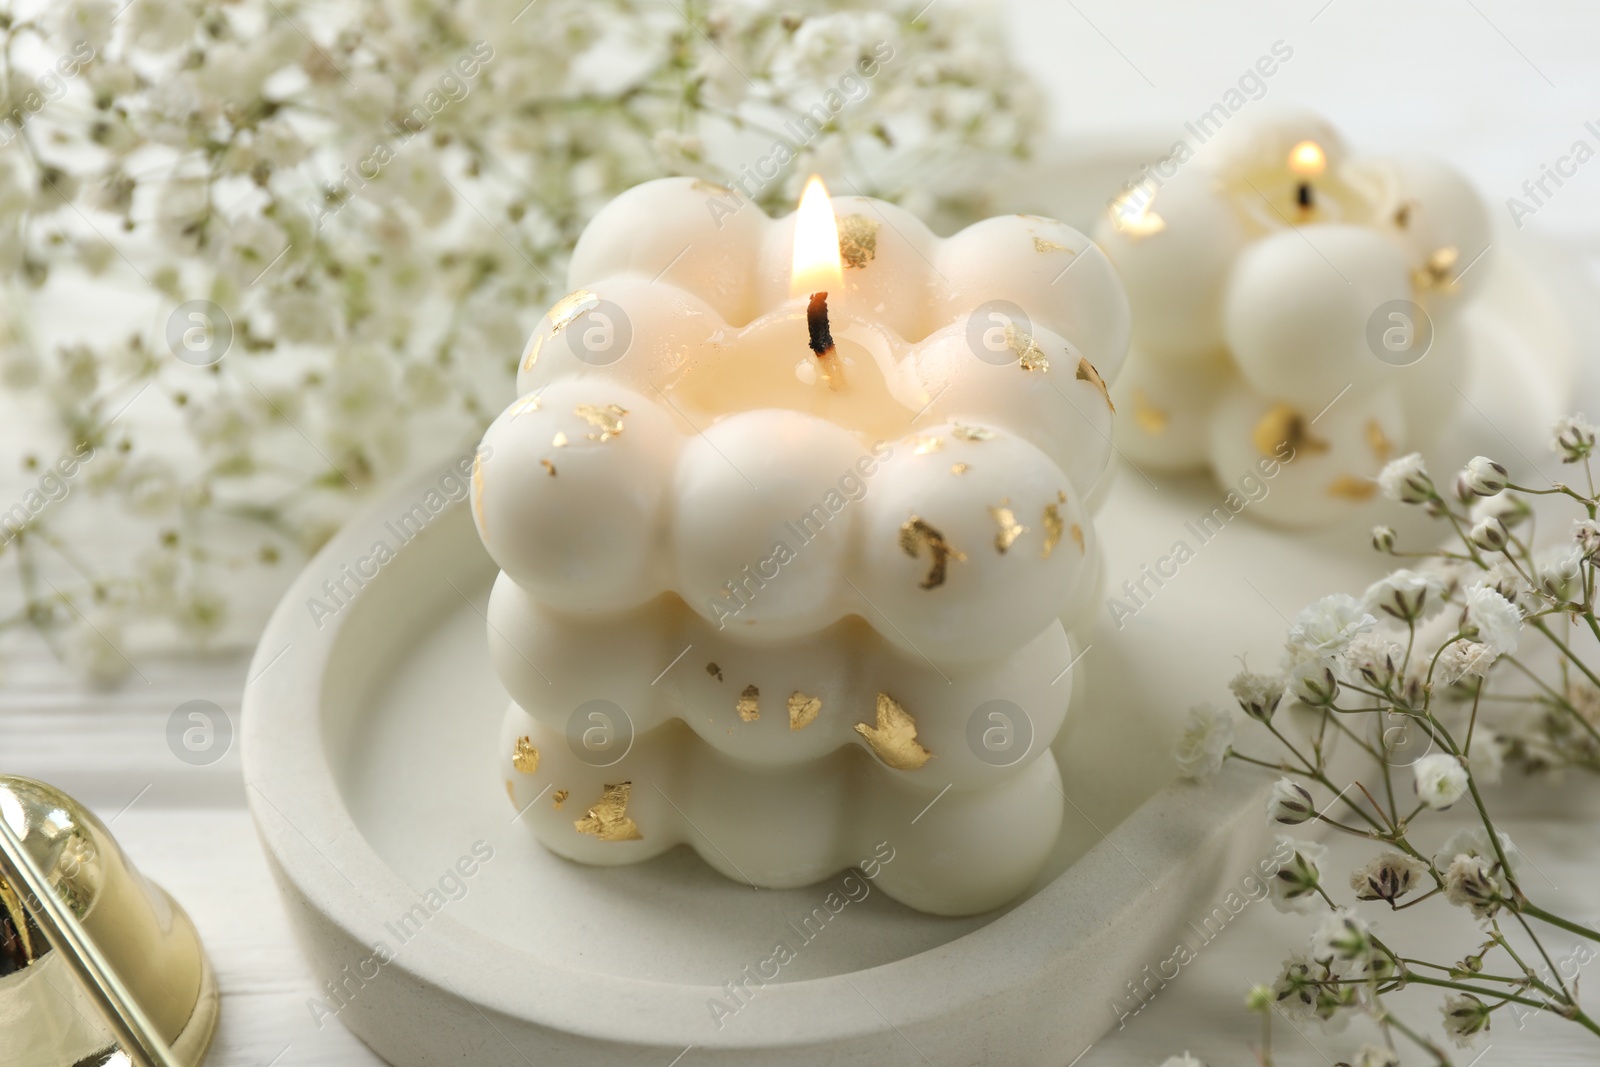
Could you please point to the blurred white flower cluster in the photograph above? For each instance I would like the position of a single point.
(261, 256)
(1481, 656)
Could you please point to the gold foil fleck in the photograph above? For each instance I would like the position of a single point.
(570, 308)
(915, 534)
(531, 356)
(477, 490)
(714, 670)
(524, 757)
(1061, 496)
(1029, 355)
(608, 818)
(1350, 487)
(607, 419)
(928, 444)
(560, 797)
(1087, 373)
(1149, 418)
(858, 240)
(1283, 425)
(525, 405)
(548, 466)
(972, 433)
(749, 705)
(960, 468)
(1044, 244)
(1402, 214)
(1077, 537)
(1378, 441)
(559, 440)
(803, 710)
(1010, 528)
(1053, 526)
(894, 736)
(1435, 272)
(714, 188)
(511, 795)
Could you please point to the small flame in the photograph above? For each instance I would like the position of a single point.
(816, 244)
(1131, 213)
(1307, 159)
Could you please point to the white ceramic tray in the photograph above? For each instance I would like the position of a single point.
(369, 739)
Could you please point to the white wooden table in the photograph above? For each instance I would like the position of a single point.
(1499, 87)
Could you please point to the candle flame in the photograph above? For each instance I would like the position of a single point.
(816, 244)
(1131, 213)
(1307, 159)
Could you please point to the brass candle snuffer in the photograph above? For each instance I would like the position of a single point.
(98, 966)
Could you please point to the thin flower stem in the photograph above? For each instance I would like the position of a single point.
(1528, 908)
(1479, 991)
(1567, 651)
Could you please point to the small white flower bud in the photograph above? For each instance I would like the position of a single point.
(1490, 534)
(1587, 533)
(1289, 803)
(1383, 538)
(1482, 476)
(1465, 1017)
(1572, 438)
(1406, 480)
(1441, 779)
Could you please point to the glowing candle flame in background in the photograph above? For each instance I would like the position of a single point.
(1307, 159)
(817, 267)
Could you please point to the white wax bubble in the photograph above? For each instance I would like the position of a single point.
(1059, 278)
(1299, 304)
(1065, 414)
(1175, 274)
(764, 504)
(686, 232)
(1264, 139)
(572, 518)
(957, 597)
(1164, 410)
(1431, 209)
(1333, 462)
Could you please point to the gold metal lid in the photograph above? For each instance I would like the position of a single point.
(98, 966)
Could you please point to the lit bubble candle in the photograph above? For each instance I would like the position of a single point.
(794, 519)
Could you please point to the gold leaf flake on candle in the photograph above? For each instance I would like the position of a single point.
(1149, 418)
(858, 240)
(928, 444)
(549, 467)
(1010, 528)
(960, 468)
(714, 670)
(915, 534)
(1029, 355)
(477, 489)
(972, 433)
(1283, 425)
(1077, 537)
(560, 797)
(608, 818)
(525, 405)
(893, 738)
(1378, 441)
(803, 710)
(1053, 526)
(511, 795)
(749, 705)
(570, 308)
(1061, 496)
(1435, 272)
(559, 440)
(1402, 214)
(524, 757)
(1044, 244)
(531, 356)
(715, 189)
(1087, 373)
(607, 419)
(1349, 487)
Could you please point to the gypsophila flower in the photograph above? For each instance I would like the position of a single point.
(1371, 659)
(1572, 438)
(1293, 889)
(1465, 1017)
(1313, 684)
(1472, 882)
(1495, 619)
(1325, 627)
(1489, 534)
(1440, 779)
(1474, 841)
(1289, 803)
(1558, 572)
(1343, 941)
(1388, 876)
(1405, 480)
(1258, 694)
(1586, 532)
(1201, 748)
(1405, 594)
(1461, 660)
(1482, 476)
